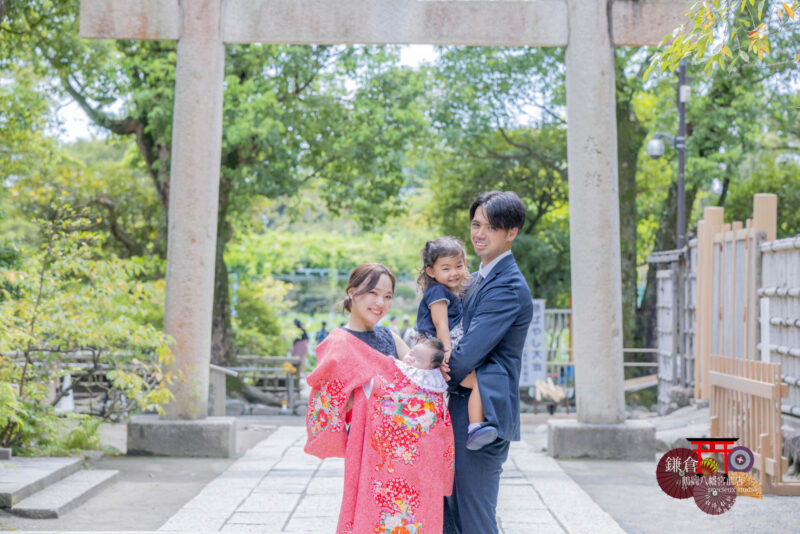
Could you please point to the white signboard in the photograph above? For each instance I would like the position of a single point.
(534, 353)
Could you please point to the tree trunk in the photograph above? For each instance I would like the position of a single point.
(2, 9)
(221, 332)
(630, 136)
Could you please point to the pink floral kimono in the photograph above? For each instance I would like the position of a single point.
(399, 454)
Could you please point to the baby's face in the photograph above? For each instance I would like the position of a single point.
(420, 356)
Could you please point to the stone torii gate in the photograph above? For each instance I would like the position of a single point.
(588, 28)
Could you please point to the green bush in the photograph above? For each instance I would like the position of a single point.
(64, 300)
(260, 309)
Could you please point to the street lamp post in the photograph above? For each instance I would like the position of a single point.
(655, 148)
(680, 146)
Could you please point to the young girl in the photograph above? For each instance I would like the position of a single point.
(442, 279)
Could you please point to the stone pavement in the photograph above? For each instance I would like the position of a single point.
(276, 487)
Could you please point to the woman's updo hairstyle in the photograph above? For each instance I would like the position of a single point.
(363, 279)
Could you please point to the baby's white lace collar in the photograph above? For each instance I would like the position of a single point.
(430, 379)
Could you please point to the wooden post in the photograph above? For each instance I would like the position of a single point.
(765, 214)
(765, 350)
(699, 310)
(712, 218)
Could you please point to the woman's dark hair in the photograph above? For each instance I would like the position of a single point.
(504, 209)
(438, 346)
(366, 275)
(443, 247)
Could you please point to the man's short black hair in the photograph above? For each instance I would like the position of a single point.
(504, 209)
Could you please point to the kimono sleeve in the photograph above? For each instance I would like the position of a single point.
(341, 369)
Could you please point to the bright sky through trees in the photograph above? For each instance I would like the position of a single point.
(73, 124)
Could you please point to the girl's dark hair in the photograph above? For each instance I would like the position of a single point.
(443, 247)
(366, 275)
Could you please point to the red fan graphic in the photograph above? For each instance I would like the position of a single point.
(714, 494)
(676, 473)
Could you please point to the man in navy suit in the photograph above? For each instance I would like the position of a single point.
(497, 312)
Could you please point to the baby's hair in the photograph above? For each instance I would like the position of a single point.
(443, 247)
(438, 346)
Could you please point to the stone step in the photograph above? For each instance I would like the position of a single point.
(64, 495)
(21, 477)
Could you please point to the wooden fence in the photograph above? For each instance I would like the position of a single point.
(780, 314)
(676, 292)
(744, 394)
(728, 278)
(745, 398)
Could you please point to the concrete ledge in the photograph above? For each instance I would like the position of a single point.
(212, 437)
(631, 440)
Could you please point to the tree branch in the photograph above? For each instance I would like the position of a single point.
(514, 143)
(134, 247)
(126, 126)
(319, 169)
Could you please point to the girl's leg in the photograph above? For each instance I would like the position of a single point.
(475, 406)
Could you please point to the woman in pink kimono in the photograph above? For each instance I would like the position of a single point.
(393, 431)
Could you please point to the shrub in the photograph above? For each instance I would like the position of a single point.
(65, 301)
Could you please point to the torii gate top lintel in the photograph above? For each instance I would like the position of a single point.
(439, 22)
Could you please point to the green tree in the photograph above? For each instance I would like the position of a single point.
(64, 300)
(737, 119)
(336, 119)
(499, 112)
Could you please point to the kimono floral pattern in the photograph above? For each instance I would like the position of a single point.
(405, 413)
(396, 464)
(325, 408)
(450, 456)
(397, 500)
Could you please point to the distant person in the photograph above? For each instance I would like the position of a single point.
(404, 329)
(300, 346)
(393, 325)
(322, 333)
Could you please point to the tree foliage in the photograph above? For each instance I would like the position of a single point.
(499, 115)
(61, 301)
(333, 118)
(730, 32)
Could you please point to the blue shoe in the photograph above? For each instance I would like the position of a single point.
(481, 436)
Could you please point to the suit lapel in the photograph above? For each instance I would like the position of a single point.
(473, 301)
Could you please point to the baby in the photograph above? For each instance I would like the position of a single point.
(421, 365)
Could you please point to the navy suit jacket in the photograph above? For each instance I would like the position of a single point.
(496, 321)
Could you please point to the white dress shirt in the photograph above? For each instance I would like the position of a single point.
(485, 270)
